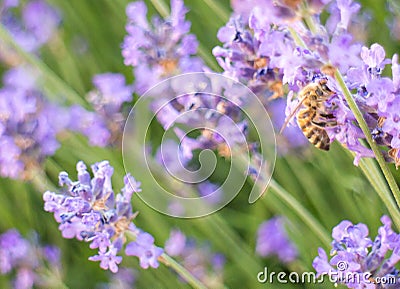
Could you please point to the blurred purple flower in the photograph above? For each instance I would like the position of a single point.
(218, 119)
(212, 191)
(198, 259)
(41, 20)
(175, 244)
(9, 4)
(272, 239)
(159, 49)
(90, 124)
(107, 99)
(145, 250)
(28, 260)
(37, 25)
(123, 279)
(28, 126)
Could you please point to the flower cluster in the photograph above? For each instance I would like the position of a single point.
(359, 260)
(90, 211)
(243, 58)
(107, 98)
(283, 52)
(37, 24)
(172, 158)
(28, 124)
(27, 259)
(272, 239)
(159, 49)
(219, 120)
(198, 260)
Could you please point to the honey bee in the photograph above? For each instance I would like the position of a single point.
(314, 117)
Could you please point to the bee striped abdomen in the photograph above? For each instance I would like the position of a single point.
(315, 135)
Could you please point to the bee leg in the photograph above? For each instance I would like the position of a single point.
(324, 124)
(322, 121)
(326, 115)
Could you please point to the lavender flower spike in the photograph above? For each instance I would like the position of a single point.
(107, 99)
(357, 261)
(280, 49)
(272, 239)
(28, 126)
(92, 212)
(198, 259)
(28, 260)
(38, 24)
(159, 49)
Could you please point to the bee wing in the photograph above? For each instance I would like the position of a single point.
(292, 114)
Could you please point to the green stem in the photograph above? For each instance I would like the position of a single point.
(374, 176)
(311, 24)
(178, 268)
(161, 7)
(303, 214)
(215, 6)
(292, 203)
(41, 182)
(53, 279)
(364, 127)
(53, 84)
(296, 37)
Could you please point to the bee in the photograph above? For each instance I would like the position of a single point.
(312, 115)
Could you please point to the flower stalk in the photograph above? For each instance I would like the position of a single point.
(364, 127)
(181, 271)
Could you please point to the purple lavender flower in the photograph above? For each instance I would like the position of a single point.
(28, 260)
(123, 279)
(313, 54)
(92, 212)
(357, 260)
(212, 190)
(10, 4)
(219, 120)
(90, 124)
(144, 249)
(272, 239)
(198, 259)
(28, 126)
(37, 25)
(107, 99)
(248, 60)
(161, 48)
(108, 260)
(41, 20)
